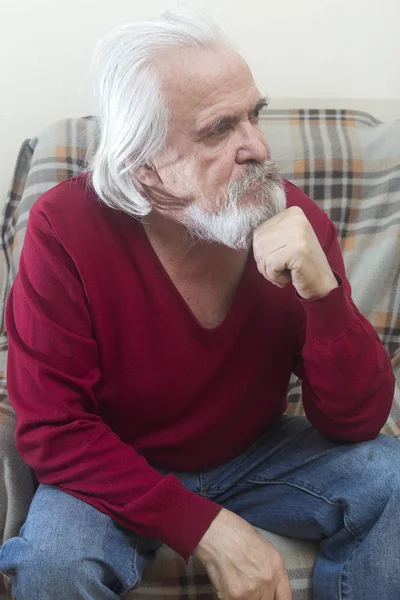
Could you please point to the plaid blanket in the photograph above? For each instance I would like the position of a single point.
(349, 163)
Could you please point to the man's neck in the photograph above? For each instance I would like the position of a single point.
(206, 275)
(175, 246)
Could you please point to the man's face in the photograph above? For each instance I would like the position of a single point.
(216, 165)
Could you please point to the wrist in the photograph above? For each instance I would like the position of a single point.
(331, 284)
(204, 550)
(326, 286)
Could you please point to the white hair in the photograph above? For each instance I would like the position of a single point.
(131, 107)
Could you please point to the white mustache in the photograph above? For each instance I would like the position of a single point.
(254, 173)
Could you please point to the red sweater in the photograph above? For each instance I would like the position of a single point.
(112, 376)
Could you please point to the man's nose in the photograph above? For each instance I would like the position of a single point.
(254, 147)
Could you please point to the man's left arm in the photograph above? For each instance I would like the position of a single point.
(347, 378)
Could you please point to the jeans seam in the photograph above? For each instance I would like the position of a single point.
(202, 491)
(319, 494)
(295, 483)
(301, 485)
(357, 542)
(346, 564)
(135, 575)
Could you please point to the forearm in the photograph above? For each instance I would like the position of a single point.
(347, 377)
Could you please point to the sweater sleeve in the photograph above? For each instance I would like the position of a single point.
(53, 367)
(347, 378)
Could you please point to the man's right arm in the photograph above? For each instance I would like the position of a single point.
(53, 366)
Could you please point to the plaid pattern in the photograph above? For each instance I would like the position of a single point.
(7, 271)
(169, 577)
(349, 163)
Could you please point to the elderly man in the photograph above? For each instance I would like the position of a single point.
(162, 302)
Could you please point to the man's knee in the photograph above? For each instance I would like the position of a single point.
(48, 573)
(373, 474)
(382, 460)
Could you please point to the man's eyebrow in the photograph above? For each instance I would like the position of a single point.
(228, 119)
(262, 103)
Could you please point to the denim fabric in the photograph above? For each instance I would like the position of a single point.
(291, 481)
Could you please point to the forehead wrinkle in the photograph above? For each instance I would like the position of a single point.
(200, 91)
(228, 111)
(216, 84)
(211, 110)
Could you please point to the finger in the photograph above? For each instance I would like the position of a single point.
(268, 250)
(281, 277)
(283, 590)
(268, 594)
(274, 268)
(278, 278)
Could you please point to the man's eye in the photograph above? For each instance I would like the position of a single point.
(221, 130)
(255, 116)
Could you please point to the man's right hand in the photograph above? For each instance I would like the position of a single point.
(241, 563)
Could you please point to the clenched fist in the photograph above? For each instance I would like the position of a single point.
(240, 562)
(286, 249)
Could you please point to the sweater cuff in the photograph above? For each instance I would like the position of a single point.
(186, 516)
(329, 317)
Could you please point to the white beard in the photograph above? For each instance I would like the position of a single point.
(233, 225)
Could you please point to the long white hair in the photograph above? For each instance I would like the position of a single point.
(131, 107)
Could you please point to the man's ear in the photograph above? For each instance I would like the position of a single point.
(147, 175)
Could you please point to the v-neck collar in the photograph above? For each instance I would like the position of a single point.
(239, 306)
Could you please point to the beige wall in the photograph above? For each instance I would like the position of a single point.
(320, 49)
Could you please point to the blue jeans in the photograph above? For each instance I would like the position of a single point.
(291, 481)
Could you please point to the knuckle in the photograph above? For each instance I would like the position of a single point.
(296, 210)
(267, 577)
(244, 590)
(252, 587)
(270, 274)
(303, 245)
(279, 566)
(237, 594)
